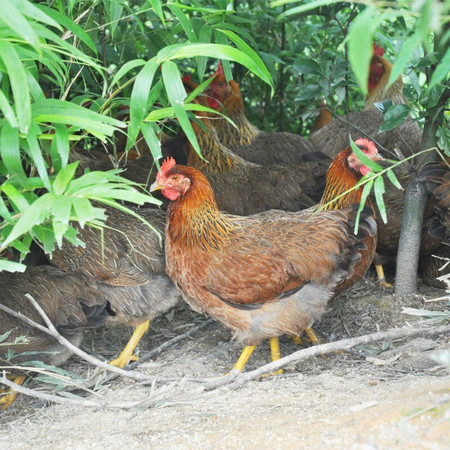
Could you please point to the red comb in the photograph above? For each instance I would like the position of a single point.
(377, 50)
(167, 165)
(367, 146)
(186, 78)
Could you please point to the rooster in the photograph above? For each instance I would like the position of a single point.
(128, 264)
(247, 141)
(243, 187)
(71, 302)
(271, 273)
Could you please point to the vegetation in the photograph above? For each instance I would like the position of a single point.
(68, 66)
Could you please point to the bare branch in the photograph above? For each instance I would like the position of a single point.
(52, 331)
(238, 380)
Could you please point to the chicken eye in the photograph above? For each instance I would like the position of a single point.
(175, 178)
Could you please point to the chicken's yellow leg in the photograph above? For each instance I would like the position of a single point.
(127, 353)
(381, 277)
(7, 399)
(275, 351)
(245, 355)
(311, 334)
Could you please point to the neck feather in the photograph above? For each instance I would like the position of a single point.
(228, 134)
(341, 178)
(194, 220)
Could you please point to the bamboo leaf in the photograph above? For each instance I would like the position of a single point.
(127, 67)
(360, 45)
(11, 266)
(64, 177)
(70, 25)
(364, 195)
(19, 85)
(19, 24)
(393, 179)
(35, 153)
(441, 71)
(379, 191)
(7, 111)
(10, 153)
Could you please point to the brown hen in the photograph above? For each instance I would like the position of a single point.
(246, 140)
(71, 302)
(243, 187)
(334, 136)
(271, 273)
(128, 263)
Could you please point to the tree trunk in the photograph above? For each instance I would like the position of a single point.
(416, 197)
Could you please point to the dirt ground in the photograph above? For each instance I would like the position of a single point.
(383, 395)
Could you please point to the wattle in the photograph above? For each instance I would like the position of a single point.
(171, 194)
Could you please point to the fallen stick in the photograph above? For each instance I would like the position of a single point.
(237, 380)
(81, 402)
(52, 331)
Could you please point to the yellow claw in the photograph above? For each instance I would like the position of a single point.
(245, 355)
(127, 353)
(381, 276)
(275, 351)
(7, 399)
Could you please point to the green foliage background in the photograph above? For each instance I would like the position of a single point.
(68, 66)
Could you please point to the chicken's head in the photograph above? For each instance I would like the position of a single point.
(219, 90)
(171, 181)
(369, 149)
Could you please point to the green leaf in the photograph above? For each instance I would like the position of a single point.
(442, 70)
(379, 191)
(185, 22)
(157, 6)
(403, 58)
(139, 96)
(19, 85)
(394, 116)
(218, 51)
(309, 5)
(84, 211)
(127, 67)
(7, 111)
(28, 9)
(115, 14)
(443, 133)
(394, 180)
(64, 177)
(35, 214)
(11, 266)
(364, 195)
(360, 44)
(60, 147)
(10, 153)
(372, 165)
(35, 153)
(70, 25)
(19, 24)
(152, 141)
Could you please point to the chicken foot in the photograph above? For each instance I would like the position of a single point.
(248, 350)
(8, 398)
(127, 353)
(381, 276)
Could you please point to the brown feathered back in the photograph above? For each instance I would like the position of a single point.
(242, 187)
(71, 302)
(128, 259)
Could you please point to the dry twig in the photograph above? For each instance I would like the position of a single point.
(237, 379)
(52, 331)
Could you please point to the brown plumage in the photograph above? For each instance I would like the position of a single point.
(243, 187)
(71, 302)
(334, 136)
(322, 118)
(129, 263)
(435, 245)
(247, 141)
(267, 274)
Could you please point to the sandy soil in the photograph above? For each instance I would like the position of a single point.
(384, 395)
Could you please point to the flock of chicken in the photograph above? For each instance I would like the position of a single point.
(259, 234)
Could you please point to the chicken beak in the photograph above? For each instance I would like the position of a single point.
(156, 186)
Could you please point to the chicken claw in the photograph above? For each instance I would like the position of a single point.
(381, 276)
(8, 398)
(127, 353)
